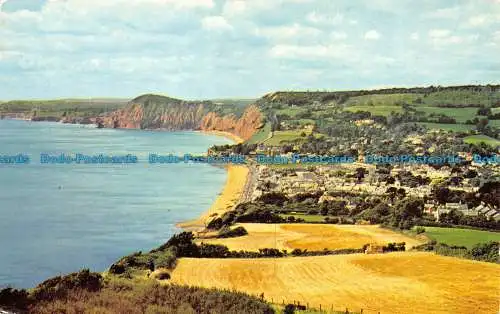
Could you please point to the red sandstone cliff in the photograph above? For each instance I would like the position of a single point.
(159, 112)
(244, 127)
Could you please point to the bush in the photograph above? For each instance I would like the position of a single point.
(419, 229)
(230, 233)
(14, 298)
(58, 287)
(289, 309)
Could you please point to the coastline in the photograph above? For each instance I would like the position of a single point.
(233, 137)
(227, 199)
(231, 193)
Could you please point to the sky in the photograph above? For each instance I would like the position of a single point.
(200, 49)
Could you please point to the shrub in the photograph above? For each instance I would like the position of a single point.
(230, 233)
(14, 298)
(58, 287)
(419, 229)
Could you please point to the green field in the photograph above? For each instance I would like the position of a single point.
(60, 107)
(382, 100)
(464, 97)
(307, 218)
(448, 127)
(376, 110)
(283, 137)
(460, 237)
(260, 135)
(460, 114)
(494, 123)
(476, 139)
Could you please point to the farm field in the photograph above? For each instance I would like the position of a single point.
(448, 127)
(382, 100)
(375, 110)
(287, 136)
(307, 218)
(476, 139)
(456, 236)
(460, 114)
(401, 282)
(311, 237)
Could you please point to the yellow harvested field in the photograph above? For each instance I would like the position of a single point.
(311, 237)
(401, 282)
(235, 184)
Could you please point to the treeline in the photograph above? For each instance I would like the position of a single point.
(300, 98)
(485, 252)
(87, 292)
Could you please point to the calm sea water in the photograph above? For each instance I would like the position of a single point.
(56, 219)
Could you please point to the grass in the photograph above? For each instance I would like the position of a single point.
(147, 296)
(72, 107)
(476, 139)
(307, 218)
(494, 123)
(389, 283)
(382, 100)
(310, 236)
(282, 137)
(460, 114)
(261, 134)
(376, 110)
(460, 237)
(448, 127)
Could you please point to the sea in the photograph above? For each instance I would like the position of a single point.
(60, 218)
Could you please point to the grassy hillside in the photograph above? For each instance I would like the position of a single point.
(61, 107)
(475, 139)
(388, 283)
(85, 292)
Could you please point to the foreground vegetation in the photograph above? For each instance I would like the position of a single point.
(87, 292)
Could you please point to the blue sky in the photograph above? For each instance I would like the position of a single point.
(242, 48)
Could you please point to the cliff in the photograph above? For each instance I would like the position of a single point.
(159, 112)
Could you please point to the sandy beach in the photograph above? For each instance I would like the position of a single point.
(231, 136)
(228, 198)
(230, 195)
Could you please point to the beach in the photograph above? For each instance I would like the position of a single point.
(233, 191)
(233, 137)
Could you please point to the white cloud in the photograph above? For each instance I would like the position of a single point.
(286, 32)
(483, 20)
(335, 35)
(317, 18)
(312, 52)
(415, 36)
(215, 23)
(234, 7)
(372, 35)
(444, 13)
(439, 33)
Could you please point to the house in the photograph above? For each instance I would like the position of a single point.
(305, 176)
(488, 211)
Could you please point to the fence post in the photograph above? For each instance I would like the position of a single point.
(320, 307)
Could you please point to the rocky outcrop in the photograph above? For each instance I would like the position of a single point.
(159, 112)
(244, 127)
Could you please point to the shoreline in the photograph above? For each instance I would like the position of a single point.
(231, 193)
(233, 137)
(228, 198)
